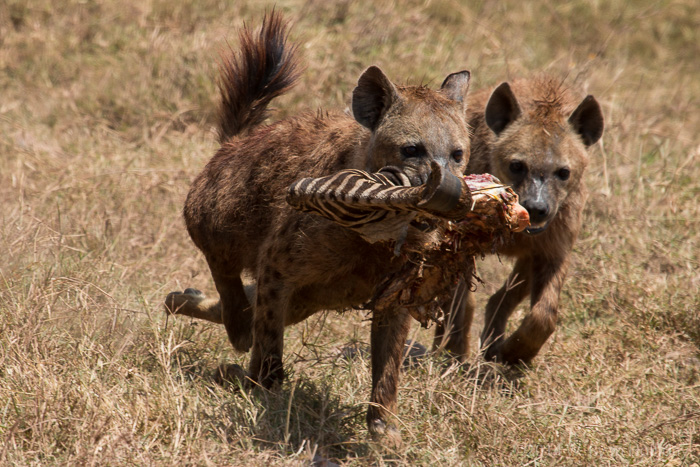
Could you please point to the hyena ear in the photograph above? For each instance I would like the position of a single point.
(502, 108)
(456, 86)
(587, 120)
(372, 97)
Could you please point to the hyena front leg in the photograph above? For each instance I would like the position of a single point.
(453, 334)
(502, 304)
(388, 336)
(547, 279)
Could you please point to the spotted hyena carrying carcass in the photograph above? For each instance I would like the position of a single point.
(236, 212)
(533, 135)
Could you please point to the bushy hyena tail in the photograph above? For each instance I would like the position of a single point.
(264, 68)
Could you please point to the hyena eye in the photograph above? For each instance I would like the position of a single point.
(563, 173)
(458, 155)
(516, 167)
(411, 151)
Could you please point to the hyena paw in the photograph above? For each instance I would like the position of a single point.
(232, 374)
(492, 353)
(243, 342)
(508, 353)
(492, 349)
(270, 373)
(385, 434)
(175, 302)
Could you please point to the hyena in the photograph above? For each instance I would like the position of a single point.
(236, 213)
(536, 142)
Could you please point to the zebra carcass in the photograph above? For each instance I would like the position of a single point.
(473, 216)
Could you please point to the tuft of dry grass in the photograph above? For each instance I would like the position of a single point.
(106, 111)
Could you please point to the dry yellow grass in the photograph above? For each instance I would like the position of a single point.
(105, 117)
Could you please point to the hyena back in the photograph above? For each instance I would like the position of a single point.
(237, 216)
(536, 142)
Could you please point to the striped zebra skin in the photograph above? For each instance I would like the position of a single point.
(379, 206)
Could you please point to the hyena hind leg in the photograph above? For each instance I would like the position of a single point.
(194, 303)
(232, 308)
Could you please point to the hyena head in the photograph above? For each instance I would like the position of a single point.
(413, 126)
(540, 150)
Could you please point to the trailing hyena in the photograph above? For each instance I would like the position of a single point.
(237, 216)
(536, 142)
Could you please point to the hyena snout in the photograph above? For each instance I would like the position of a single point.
(539, 211)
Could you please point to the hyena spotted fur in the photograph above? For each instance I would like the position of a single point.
(533, 135)
(237, 216)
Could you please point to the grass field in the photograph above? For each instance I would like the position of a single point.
(106, 115)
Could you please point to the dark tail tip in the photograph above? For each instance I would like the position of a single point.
(264, 67)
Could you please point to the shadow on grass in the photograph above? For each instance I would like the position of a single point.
(308, 420)
(306, 415)
(504, 379)
(303, 419)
